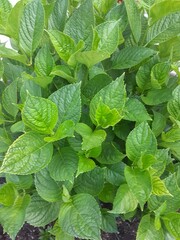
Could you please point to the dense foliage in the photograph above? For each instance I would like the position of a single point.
(90, 114)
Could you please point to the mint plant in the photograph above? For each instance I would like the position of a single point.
(90, 114)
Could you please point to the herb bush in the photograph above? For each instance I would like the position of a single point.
(90, 114)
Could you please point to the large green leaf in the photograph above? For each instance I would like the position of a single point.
(172, 223)
(28, 154)
(147, 230)
(162, 8)
(81, 217)
(58, 16)
(135, 111)
(12, 218)
(140, 141)
(40, 114)
(40, 213)
(131, 56)
(79, 26)
(139, 182)
(91, 182)
(125, 201)
(174, 104)
(44, 62)
(107, 105)
(31, 27)
(64, 165)
(68, 101)
(134, 18)
(164, 29)
(46, 187)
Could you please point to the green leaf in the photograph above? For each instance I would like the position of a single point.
(172, 223)
(58, 16)
(31, 27)
(8, 194)
(5, 9)
(108, 222)
(113, 106)
(131, 56)
(134, 18)
(46, 187)
(139, 182)
(174, 104)
(159, 187)
(40, 213)
(108, 32)
(81, 217)
(164, 29)
(9, 99)
(79, 26)
(85, 165)
(65, 99)
(44, 62)
(114, 174)
(91, 182)
(64, 165)
(40, 114)
(12, 218)
(164, 95)
(110, 154)
(59, 234)
(162, 159)
(108, 193)
(5, 140)
(160, 74)
(23, 159)
(140, 141)
(172, 135)
(135, 111)
(103, 6)
(125, 201)
(63, 44)
(91, 139)
(158, 124)
(64, 72)
(65, 129)
(162, 8)
(147, 230)
(20, 182)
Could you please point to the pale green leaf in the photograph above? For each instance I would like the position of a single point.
(44, 62)
(159, 187)
(172, 223)
(135, 111)
(131, 56)
(81, 217)
(40, 114)
(79, 26)
(172, 135)
(134, 18)
(147, 230)
(66, 98)
(59, 234)
(164, 29)
(139, 182)
(9, 99)
(28, 154)
(8, 194)
(12, 218)
(140, 141)
(58, 16)
(103, 6)
(174, 104)
(5, 9)
(31, 27)
(125, 201)
(91, 182)
(85, 165)
(64, 165)
(47, 188)
(40, 213)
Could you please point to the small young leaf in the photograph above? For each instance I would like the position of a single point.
(139, 182)
(40, 213)
(159, 187)
(172, 223)
(125, 201)
(85, 165)
(81, 217)
(31, 27)
(160, 74)
(40, 114)
(108, 222)
(8, 194)
(140, 141)
(65, 99)
(174, 104)
(28, 154)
